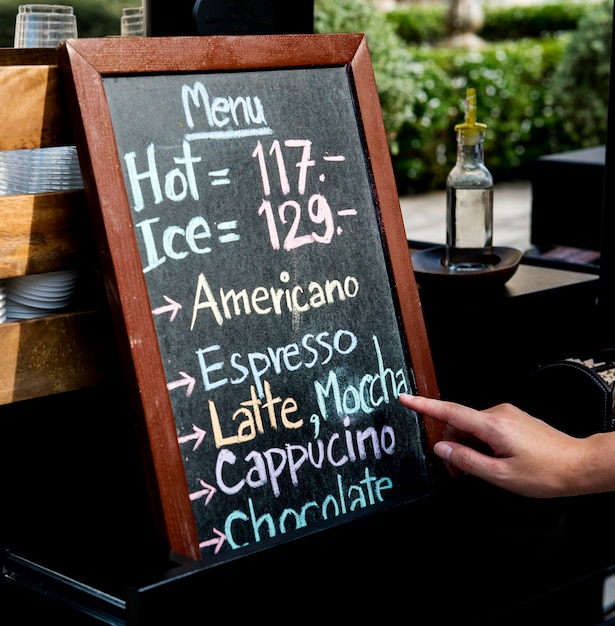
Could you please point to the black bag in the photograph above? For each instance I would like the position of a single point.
(576, 396)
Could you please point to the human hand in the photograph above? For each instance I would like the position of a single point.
(508, 448)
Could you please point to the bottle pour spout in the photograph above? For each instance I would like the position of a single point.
(470, 128)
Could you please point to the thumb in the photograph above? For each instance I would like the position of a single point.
(459, 458)
(444, 450)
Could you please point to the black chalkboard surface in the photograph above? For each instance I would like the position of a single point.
(269, 318)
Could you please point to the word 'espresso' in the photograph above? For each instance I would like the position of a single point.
(312, 350)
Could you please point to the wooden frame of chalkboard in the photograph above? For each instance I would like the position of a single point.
(265, 351)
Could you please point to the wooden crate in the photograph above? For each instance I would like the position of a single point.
(44, 233)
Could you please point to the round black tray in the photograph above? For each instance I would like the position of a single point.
(429, 268)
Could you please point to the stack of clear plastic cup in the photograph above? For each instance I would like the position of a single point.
(39, 170)
(132, 24)
(44, 25)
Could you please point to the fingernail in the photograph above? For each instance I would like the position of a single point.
(443, 450)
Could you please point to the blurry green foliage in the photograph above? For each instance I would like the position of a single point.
(424, 23)
(514, 79)
(512, 85)
(392, 62)
(418, 23)
(581, 81)
(539, 20)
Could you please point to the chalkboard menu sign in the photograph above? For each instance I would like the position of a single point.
(260, 280)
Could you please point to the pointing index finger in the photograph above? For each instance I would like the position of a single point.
(456, 415)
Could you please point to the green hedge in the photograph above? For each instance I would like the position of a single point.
(424, 23)
(521, 82)
(512, 84)
(541, 20)
(397, 74)
(418, 23)
(581, 81)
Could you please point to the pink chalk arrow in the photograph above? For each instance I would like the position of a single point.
(198, 435)
(207, 492)
(172, 308)
(184, 381)
(215, 541)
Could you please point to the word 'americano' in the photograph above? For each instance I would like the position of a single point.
(264, 300)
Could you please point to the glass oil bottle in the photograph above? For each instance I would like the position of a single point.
(469, 199)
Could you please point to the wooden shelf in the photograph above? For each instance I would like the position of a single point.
(33, 115)
(44, 233)
(54, 354)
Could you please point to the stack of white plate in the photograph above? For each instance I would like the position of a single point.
(37, 295)
(2, 302)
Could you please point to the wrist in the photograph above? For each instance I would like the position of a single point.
(594, 471)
